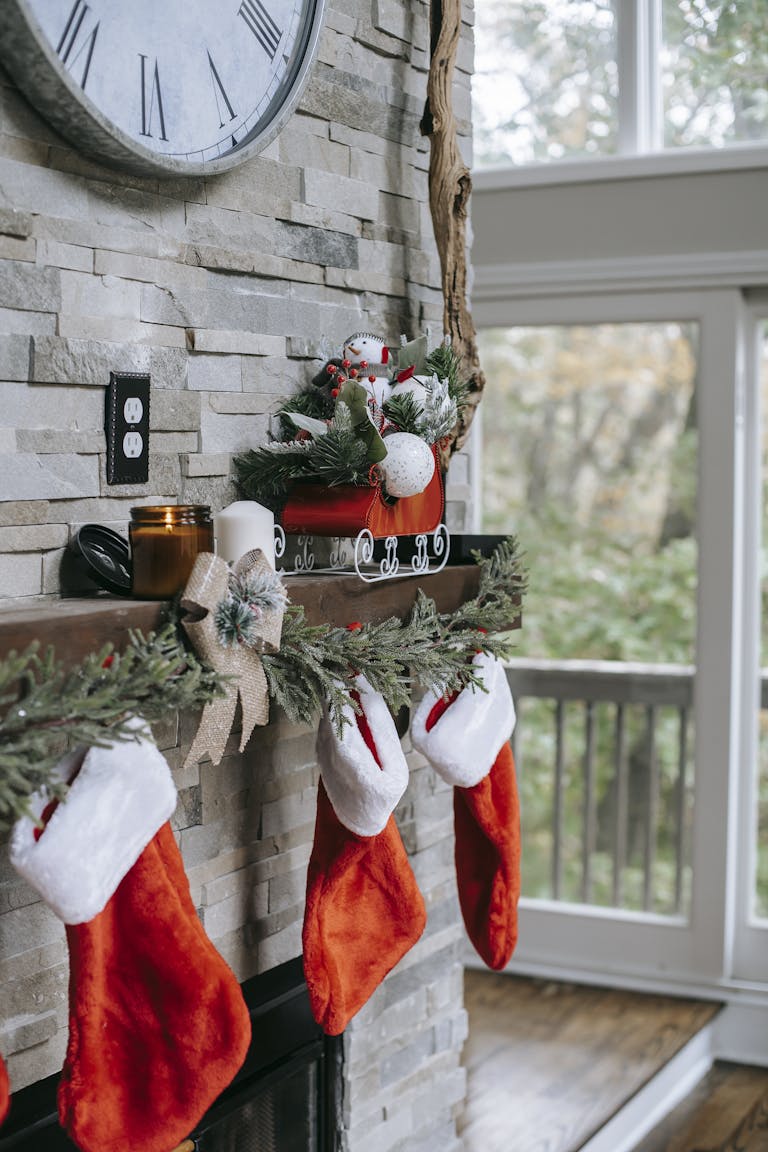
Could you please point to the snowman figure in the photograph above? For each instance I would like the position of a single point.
(364, 355)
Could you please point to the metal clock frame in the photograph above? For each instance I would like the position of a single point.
(35, 67)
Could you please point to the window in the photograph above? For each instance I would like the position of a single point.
(567, 79)
(714, 59)
(589, 437)
(546, 81)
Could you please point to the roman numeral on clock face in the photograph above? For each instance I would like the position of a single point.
(151, 98)
(78, 40)
(262, 25)
(219, 93)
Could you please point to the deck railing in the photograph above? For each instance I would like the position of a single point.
(606, 775)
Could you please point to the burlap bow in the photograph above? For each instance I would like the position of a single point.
(206, 588)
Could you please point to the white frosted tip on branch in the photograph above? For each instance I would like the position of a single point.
(280, 446)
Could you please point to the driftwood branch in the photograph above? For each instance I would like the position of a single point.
(450, 185)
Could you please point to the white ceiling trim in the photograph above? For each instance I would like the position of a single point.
(741, 269)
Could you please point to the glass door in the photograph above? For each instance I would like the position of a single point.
(613, 445)
(750, 895)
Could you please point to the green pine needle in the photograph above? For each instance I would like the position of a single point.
(404, 411)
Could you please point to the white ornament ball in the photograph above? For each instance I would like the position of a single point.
(408, 465)
(414, 386)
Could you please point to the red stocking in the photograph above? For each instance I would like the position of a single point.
(5, 1092)
(158, 1026)
(364, 910)
(466, 738)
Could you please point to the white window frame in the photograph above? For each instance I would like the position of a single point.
(698, 953)
(750, 935)
(640, 140)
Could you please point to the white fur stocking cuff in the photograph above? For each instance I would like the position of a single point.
(464, 743)
(117, 802)
(363, 794)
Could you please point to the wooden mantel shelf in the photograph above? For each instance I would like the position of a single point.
(77, 627)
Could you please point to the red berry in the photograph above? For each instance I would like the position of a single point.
(372, 379)
(353, 373)
(334, 392)
(363, 364)
(346, 363)
(331, 369)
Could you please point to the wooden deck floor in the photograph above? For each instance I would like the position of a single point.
(726, 1112)
(549, 1064)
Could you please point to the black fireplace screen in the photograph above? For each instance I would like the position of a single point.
(283, 1117)
(284, 1099)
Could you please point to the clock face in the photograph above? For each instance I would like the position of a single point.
(162, 86)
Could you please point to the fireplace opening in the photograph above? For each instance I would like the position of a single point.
(285, 1098)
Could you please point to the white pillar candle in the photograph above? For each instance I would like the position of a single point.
(242, 526)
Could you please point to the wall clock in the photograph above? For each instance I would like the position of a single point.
(162, 87)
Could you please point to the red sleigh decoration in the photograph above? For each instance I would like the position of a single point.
(346, 510)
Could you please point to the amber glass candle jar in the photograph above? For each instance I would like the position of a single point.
(165, 539)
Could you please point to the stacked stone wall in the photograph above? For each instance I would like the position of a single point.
(228, 291)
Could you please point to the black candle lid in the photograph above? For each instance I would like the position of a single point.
(106, 556)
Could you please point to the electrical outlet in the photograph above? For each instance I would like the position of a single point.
(127, 426)
(133, 410)
(133, 442)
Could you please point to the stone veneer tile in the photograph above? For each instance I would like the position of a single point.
(15, 223)
(15, 357)
(40, 191)
(84, 362)
(12, 248)
(214, 373)
(15, 321)
(34, 538)
(244, 343)
(37, 1062)
(27, 1031)
(198, 465)
(26, 476)
(282, 945)
(287, 891)
(29, 287)
(220, 433)
(47, 441)
(173, 411)
(214, 491)
(40, 989)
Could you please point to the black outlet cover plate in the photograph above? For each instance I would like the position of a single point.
(126, 423)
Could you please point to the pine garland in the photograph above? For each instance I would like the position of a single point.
(46, 704)
(317, 663)
(91, 704)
